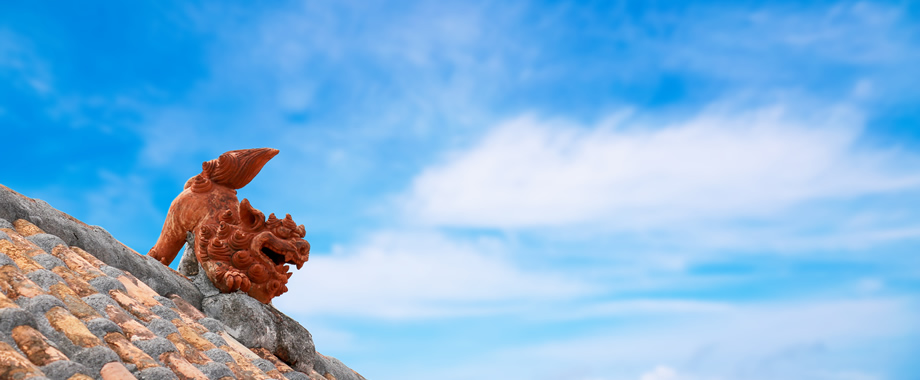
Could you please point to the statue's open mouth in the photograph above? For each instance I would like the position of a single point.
(279, 252)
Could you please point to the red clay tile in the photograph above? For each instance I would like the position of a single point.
(87, 256)
(186, 308)
(128, 352)
(76, 331)
(36, 346)
(115, 371)
(22, 256)
(143, 294)
(192, 336)
(15, 366)
(77, 263)
(17, 284)
(134, 329)
(190, 353)
(26, 228)
(131, 305)
(181, 367)
(74, 281)
(21, 241)
(73, 302)
(4, 301)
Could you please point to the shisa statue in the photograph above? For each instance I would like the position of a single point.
(237, 248)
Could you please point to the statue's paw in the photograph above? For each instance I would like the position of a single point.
(236, 280)
(157, 256)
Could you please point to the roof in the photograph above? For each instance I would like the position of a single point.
(66, 314)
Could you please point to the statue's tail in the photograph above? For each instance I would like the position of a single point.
(233, 169)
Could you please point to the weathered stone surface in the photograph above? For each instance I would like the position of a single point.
(156, 373)
(95, 239)
(48, 261)
(95, 357)
(330, 365)
(255, 324)
(46, 241)
(64, 369)
(98, 292)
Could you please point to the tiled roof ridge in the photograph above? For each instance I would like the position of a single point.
(67, 313)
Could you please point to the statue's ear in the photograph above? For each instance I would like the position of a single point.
(250, 218)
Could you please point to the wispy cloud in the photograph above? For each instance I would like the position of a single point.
(759, 165)
(423, 275)
(801, 340)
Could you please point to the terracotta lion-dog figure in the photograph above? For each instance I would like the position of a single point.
(238, 249)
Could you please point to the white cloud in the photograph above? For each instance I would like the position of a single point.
(721, 166)
(803, 340)
(405, 275)
(660, 373)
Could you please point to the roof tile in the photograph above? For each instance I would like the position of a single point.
(21, 255)
(181, 367)
(63, 321)
(129, 352)
(15, 366)
(67, 314)
(15, 284)
(74, 303)
(77, 263)
(115, 371)
(35, 346)
(74, 281)
(26, 228)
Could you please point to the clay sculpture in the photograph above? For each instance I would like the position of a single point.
(238, 249)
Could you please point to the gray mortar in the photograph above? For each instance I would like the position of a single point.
(112, 271)
(100, 301)
(40, 304)
(166, 302)
(46, 241)
(12, 317)
(44, 278)
(219, 355)
(265, 365)
(214, 339)
(156, 373)
(294, 375)
(216, 370)
(6, 260)
(155, 347)
(48, 261)
(165, 312)
(5, 223)
(212, 324)
(3, 234)
(96, 357)
(64, 369)
(97, 242)
(104, 284)
(101, 326)
(162, 327)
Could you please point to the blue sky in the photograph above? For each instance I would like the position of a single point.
(520, 190)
